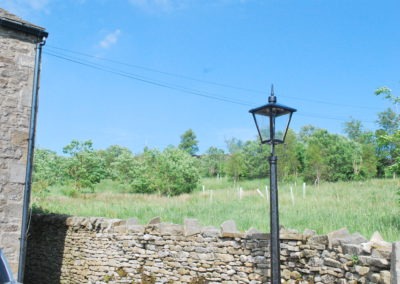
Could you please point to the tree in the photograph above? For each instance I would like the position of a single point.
(189, 142)
(47, 169)
(84, 167)
(354, 129)
(235, 167)
(178, 172)
(213, 162)
(255, 159)
(364, 156)
(328, 157)
(235, 162)
(116, 161)
(171, 172)
(289, 162)
(389, 122)
(121, 167)
(234, 145)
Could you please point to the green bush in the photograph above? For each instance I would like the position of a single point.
(171, 172)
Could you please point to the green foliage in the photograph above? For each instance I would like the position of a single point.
(84, 167)
(392, 141)
(171, 172)
(289, 161)
(387, 93)
(69, 192)
(255, 159)
(113, 156)
(212, 162)
(235, 165)
(189, 142)
(178, 172)
(328, 157)
(387, 136)
(47, 168)
(354, 129)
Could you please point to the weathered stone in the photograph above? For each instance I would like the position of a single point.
(292, 236)
(375, 278)
(89, 254)
(377, 262)
(342, 236)
(136, 229)
(210, 231)
(309, 233)
(332, 263)
(318, 240)
(362, 270)
(17, 62)
(171, 229)
(155, 221)
(295, 275)
(228, 229)
(351, 249)
(384, 277)
(285, 274)
(191, 227)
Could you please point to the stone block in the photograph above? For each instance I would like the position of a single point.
(155, 221)
(351, 249)
(191, 227)
(256, 234)
(371, 261)
(343, 236)
(228, 229)
(17, 171)
(13, 210)
(171, 229)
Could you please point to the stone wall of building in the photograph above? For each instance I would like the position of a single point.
(64, 249)
(17, 59)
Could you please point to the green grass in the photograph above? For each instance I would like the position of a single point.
(362, 207)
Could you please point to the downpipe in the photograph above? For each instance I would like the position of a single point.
(26, 212)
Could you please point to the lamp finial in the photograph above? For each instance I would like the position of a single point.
(272, 98)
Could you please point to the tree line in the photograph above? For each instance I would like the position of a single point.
(311, 155)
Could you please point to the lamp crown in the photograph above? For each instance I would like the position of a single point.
(272, 98)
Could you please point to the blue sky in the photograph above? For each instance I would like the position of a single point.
(141, 72)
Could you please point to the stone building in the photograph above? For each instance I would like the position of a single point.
(20, 49)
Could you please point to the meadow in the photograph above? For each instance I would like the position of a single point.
(363, 207)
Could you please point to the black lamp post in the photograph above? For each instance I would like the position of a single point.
(272, 121)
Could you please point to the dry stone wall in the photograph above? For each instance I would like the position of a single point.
(64, 249)
(17, 59)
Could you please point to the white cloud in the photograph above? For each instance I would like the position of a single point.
(38, 5)
(110, 39)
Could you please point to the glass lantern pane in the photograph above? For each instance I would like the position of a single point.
(263, 126)
(281, 123)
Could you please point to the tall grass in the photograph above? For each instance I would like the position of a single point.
(362, 207)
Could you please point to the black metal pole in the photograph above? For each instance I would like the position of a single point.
(274, 221)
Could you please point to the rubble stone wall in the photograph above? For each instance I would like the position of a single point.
(64, 249)
(17, 58)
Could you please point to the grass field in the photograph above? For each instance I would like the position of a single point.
(362, 207)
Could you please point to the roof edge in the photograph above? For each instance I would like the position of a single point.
(22, 27)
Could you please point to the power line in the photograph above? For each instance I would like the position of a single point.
(206, 81)
(174, 86)
(149, 81)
